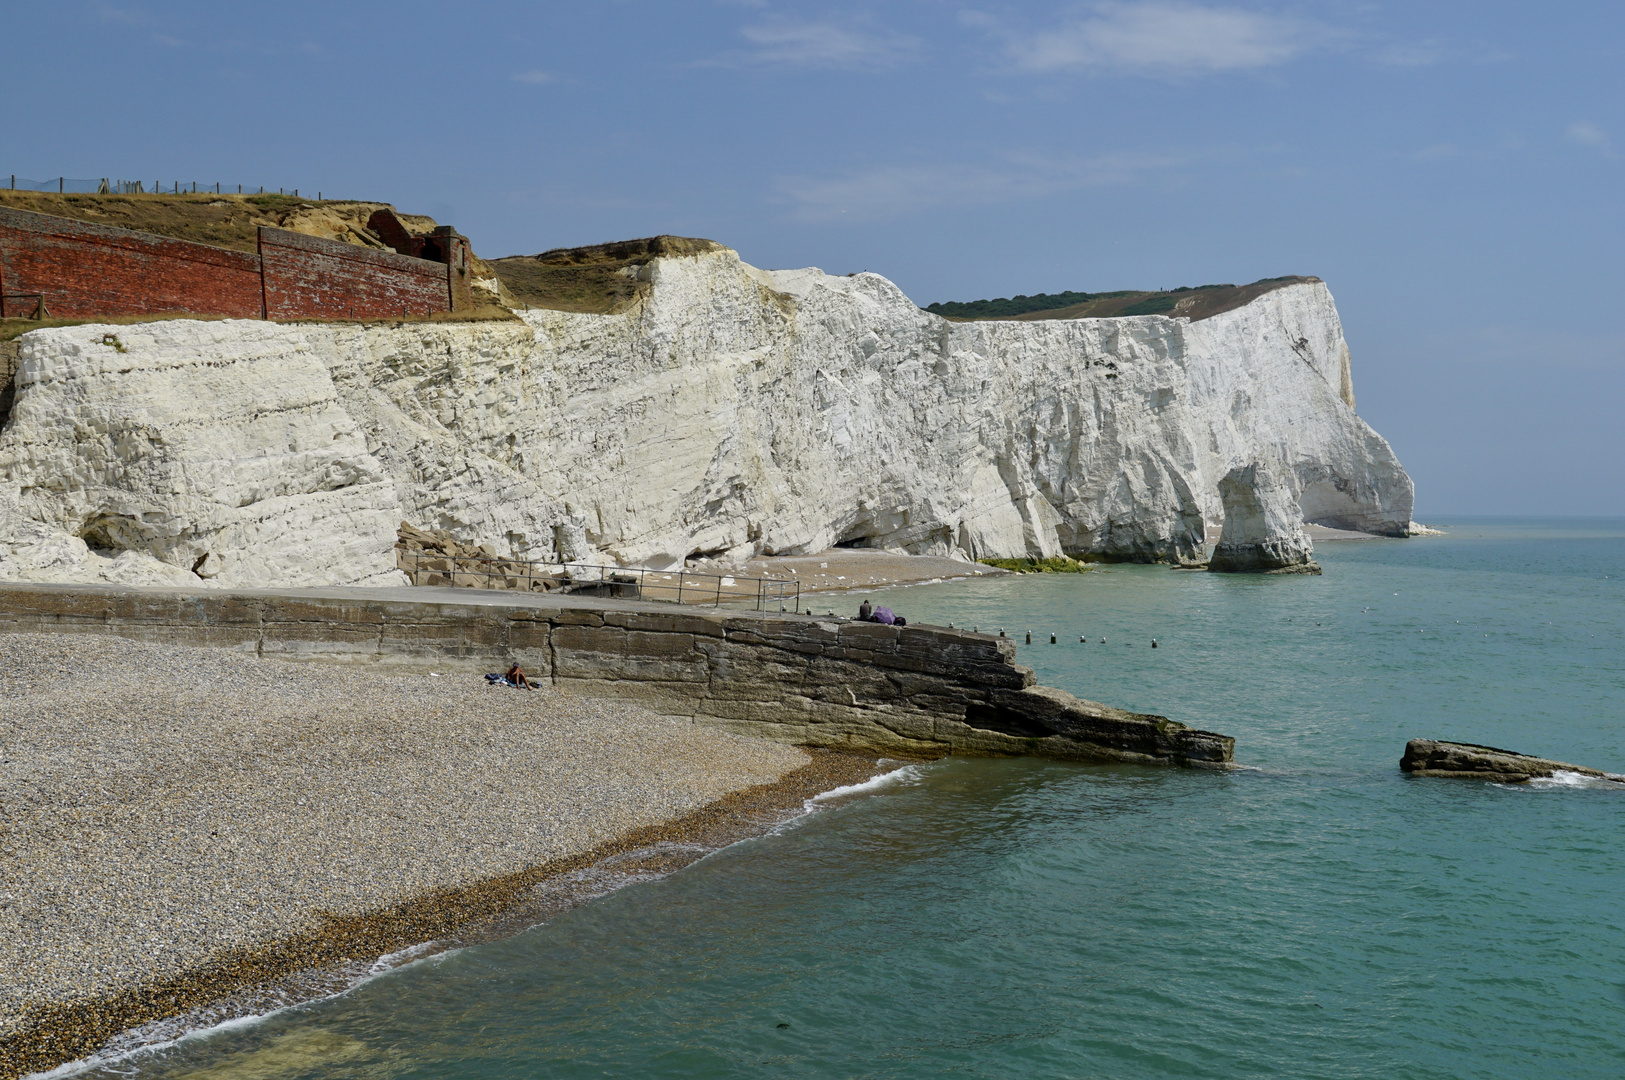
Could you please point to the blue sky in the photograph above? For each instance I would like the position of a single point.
(1452, 170)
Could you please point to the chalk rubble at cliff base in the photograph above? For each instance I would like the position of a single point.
(729, 412)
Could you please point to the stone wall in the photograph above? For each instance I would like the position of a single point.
(923, 691)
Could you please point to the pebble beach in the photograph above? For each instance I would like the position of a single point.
(164, 807)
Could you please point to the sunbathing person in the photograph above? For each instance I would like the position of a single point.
(516, 677)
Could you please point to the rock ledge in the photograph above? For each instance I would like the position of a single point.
(1430, 757)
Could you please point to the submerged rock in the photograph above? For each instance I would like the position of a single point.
(1263, 527)
(1430, 757)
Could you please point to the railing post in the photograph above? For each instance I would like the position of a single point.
(679, 586)
(719, 592)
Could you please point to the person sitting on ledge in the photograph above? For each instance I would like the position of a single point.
(887, 616)
(865, 612)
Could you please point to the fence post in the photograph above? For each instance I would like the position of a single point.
(719, 592)
(679, 586)
(61, 183)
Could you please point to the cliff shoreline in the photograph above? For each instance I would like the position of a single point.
(196, 835)
(109, 716)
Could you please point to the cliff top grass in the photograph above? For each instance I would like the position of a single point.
(228, 221)
(600, 279)
(1192, 302)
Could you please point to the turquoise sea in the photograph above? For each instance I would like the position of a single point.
(1314, 914)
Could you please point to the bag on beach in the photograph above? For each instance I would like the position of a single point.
(884, 615)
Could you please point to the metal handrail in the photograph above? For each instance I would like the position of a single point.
(528, 575)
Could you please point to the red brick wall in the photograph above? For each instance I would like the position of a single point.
(309, 277)
(87, 270)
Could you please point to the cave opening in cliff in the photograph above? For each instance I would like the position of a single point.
(111, 534)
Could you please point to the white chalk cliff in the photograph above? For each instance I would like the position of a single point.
(729, 410)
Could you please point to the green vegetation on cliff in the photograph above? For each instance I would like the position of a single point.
(1194, 302)
(1018, 305)
(1060, 564)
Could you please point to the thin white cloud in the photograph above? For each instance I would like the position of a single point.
(890, 190)
(127, 16)
(1427, 53)
(1413, 54)
(1166, 37)
(826, 44)
(1586, 133)
(534, 77)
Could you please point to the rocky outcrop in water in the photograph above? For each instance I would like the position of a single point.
(729, 410)
(1430, 757)
(1263, 527)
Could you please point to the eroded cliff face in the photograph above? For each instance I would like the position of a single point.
(730, 410)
